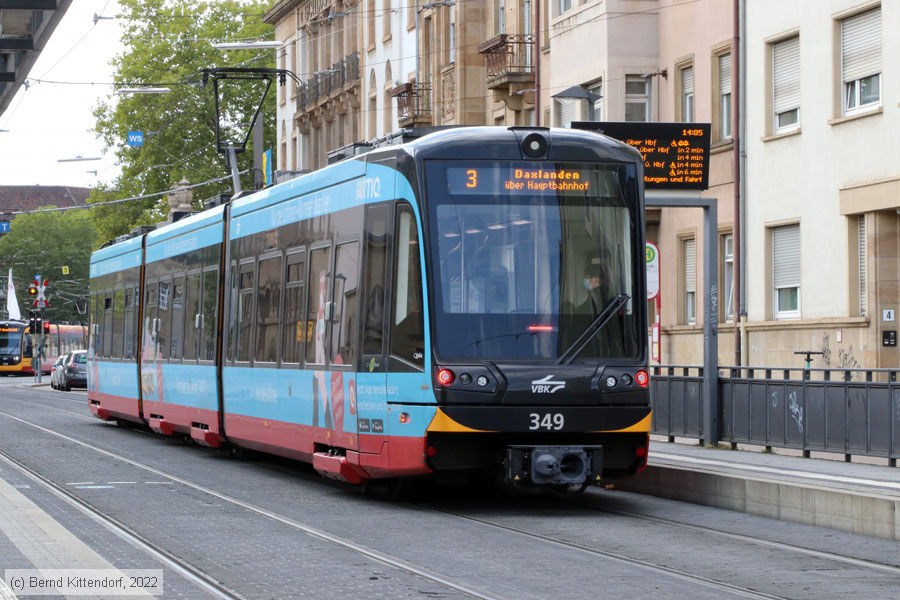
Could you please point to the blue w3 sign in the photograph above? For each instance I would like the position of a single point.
(135, 139)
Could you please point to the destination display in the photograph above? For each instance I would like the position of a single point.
(676, 155)
(524, 178)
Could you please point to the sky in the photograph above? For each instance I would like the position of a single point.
(52, 121)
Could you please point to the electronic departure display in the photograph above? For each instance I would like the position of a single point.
(676, 155)
(522, 178)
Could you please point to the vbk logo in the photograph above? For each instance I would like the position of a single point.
(546, 385)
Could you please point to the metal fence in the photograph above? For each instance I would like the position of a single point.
(845, 411)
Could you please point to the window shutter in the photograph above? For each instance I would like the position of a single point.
(786, 59)
(786, 256)
(861, 45)
(725, 74)
(690, 265)
(687, 80)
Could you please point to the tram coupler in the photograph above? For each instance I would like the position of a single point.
(554, 465)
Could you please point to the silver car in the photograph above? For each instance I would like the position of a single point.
(55, 371)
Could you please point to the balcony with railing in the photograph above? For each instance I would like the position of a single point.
(509, 60)
(329, 83)
(413, 104)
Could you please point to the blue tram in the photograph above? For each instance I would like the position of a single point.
(471, 301)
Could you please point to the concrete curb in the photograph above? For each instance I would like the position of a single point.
(861, 512)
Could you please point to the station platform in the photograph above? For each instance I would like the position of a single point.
(851, 496)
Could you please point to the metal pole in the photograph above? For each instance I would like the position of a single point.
(710, 327)
(710, 386)
(258, 143)
(235, 173)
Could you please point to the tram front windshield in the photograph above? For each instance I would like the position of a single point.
(526, 256)
(10, 341)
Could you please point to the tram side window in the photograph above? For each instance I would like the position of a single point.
(245, 313)
(192, 310)
(151, 323)
(108, 324)
(374, 273)
(175, 348)
(129, 323)
(165, 315)
(344, 318)
(296, 330)
(316, 294)
(208, 311)
(118, 323)
(97, 323)
(268, 303)
(231, 340)
(407, 324)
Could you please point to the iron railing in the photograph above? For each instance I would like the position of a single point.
(323, 85)
(854, 412)
(508, 55)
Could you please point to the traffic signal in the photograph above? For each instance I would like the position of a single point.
(32, 291)
(38, 325)
(32, 324)
(47, 327)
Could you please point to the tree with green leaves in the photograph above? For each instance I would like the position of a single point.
(57, 246)
(169, 43)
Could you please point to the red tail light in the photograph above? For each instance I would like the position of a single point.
(642, 378)
(445, 377)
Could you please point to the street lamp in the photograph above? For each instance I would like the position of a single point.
(78, 158)
(261, 45)
(576, 92)
(143, 90)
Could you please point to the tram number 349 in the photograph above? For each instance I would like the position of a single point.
(548, 421)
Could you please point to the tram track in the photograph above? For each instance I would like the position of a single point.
(314, 532)
(621, 558)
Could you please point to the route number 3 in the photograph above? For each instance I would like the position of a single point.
(548, 421)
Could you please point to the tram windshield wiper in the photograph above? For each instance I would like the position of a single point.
(599, 322)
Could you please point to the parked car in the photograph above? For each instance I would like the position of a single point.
(55, 371)
(73, 372)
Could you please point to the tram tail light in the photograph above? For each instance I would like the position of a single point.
(642, 378)
(445, 377)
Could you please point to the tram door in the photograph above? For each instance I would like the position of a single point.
(368, 397)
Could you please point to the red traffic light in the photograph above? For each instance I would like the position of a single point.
(47, 327)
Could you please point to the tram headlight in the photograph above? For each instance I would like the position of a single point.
(534, 145)
(611, 381)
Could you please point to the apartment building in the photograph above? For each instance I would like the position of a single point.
(807, 245)
(823, 182)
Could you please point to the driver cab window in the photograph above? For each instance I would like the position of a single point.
(407, 321)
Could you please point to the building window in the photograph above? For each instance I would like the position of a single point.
(728, 276)
(563, 6)
(689, 256)
(370, 24)
(568, 109)
(687, 94)
(861, 61)
(637, 98)
(786, 271)
(386, 16)
(725, 96)
(786, 84)
(595, 111)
